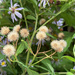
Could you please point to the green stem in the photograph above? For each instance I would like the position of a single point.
(42, 25)
(34, 29)
(24, 15)
(27, 57)
(32, 60)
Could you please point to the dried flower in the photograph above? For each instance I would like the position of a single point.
(41, 35)
(14, 11)
(9, 50)
(61, 35)
(55, 44)
(60, 49)
(13, 36)
(5, 30)
(24, 32)
(43, 28)
(16, 28)
(63, 43)
(42, 21)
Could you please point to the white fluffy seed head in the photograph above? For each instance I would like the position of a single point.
(5, 30)
(13, 36)
(9, 50)
(24, 32)
(42, 21)
(55, 44)
(60, 49)
(43, 28)
(16, 28)
(41, 35)
(61, 35)
(63, 43)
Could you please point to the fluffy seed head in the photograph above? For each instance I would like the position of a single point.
(24, 32)
(60, 49)
(63, 43)
(61, 35)
(55, 44)
(43, 28)
(5, 30)
(16, 28)
(9, 50)
(42, 21)
(13, 36)
(41, 35)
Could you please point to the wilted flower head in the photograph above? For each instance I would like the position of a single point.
(63, 43)
(61, 35)
(60, 49)
(14, 11)
(44, 3)
(55, 44)
(43, 28)
(41, 35)
(16, 28)
(13, 36)
(24, 32)
(9, 50)
(5, 30)
(42, 21)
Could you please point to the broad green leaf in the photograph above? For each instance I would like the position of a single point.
(51, 36)
(31, 17)
(2, 56)
(69, 73)
(20, 48)
(74, 50)
(31, 72)
(69, 57)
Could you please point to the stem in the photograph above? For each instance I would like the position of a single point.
(34, 29)
(24, 15)
(42, 25)
(43, 59)
(27, 57)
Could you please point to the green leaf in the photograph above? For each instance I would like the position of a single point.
(47, 63)
(2, 56)
(34, 2)
(69, 73)
(74, 50)
(41, 67)
(25, 9)
(73, 36)
(69, 57)
(31, 17)
(51, 36)
(20, 48)
(31, 72)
